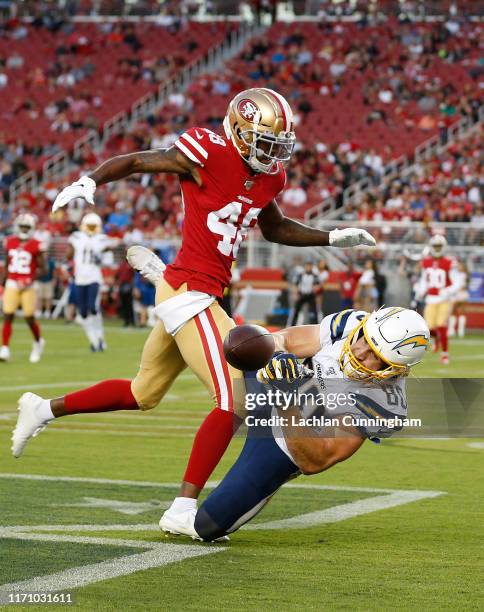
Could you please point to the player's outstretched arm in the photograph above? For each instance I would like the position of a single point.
(316, 451)
(300, 340)
(276, 227)
(170, 160)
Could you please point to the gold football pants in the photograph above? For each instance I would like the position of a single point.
(197, 345)
(14, 297)
(437, 315)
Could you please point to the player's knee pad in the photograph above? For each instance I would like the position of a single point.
(206, 527)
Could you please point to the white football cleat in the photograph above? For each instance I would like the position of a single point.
(4, 353)
(183, 523)
(29, 422)
(180, 523)
(146, 263)
(37, 350)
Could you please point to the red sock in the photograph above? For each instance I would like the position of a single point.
(209, 445)
(436, 336)
(103, 397)
(6, 332)
(35, 329)
(444, 339)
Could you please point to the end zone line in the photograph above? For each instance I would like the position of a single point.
(157, 555)
(210, 484)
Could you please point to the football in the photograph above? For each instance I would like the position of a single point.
(248, 347)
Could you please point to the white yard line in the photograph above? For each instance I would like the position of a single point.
(346, 511)
(115, 432)
(479, 445)
(211, 484)
(156, 555)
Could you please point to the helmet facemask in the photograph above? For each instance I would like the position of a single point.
(353, 369)
(259, 122)
(266, 150)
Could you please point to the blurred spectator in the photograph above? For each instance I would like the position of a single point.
(294, 195)
(144, 294)
(125, 280)
(45, 290)
(349, 282)
(366, 294)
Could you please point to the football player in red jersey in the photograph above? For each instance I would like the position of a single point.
(228, 184)
(24, 262)
(439, 283)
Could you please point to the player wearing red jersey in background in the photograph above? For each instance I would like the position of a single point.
(228, 183)
(24, 262)
(439, 283)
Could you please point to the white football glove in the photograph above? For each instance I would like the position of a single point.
(350, 237)
(83, 188)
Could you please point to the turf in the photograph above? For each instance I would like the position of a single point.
(426, 554)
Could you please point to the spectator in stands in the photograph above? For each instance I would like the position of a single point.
(366, 294)
(349, 281)
(120, 218)
(124, 278)
(144, 293)
(61, 124)
(294, 195)
(5, 216)
(323, 275)
(15, 61)
(45, 290)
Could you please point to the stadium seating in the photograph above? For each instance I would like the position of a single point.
(340, 140)
(58, 84)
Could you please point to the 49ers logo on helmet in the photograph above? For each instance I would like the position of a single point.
(248, 109)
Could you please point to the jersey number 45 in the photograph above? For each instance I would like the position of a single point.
(225, 222)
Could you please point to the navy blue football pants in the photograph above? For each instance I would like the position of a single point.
(86, 299)
(261, 469)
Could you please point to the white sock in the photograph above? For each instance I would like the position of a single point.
(452, 322)
(462, 325)
(87, 326)
(182, 504)
(98, 327)
(45, 411)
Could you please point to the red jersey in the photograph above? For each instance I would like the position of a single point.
(219, 213)
(22, 259)
(436, 276)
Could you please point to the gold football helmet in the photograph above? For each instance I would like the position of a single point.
(260, 123)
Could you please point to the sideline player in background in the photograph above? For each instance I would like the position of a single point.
(438, 285)
(458, 317)
(24, 263)
(228, 183)
(351, 345)
(86, 248)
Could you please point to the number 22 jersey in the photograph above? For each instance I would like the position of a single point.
(219, 213)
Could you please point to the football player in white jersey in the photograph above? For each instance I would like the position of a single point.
(86, 248)
(358, 363)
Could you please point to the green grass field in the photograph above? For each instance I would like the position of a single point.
(81, 506)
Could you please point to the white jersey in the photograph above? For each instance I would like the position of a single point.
(340, 396)
(88, 252)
